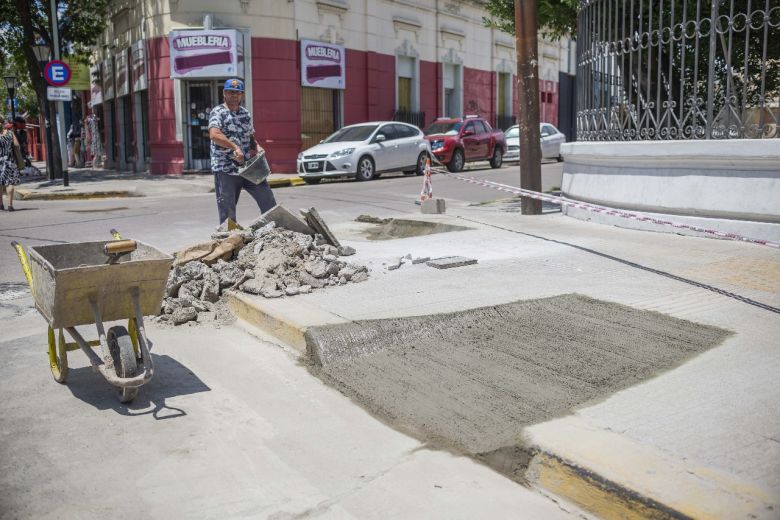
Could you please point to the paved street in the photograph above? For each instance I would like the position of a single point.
(173, 220)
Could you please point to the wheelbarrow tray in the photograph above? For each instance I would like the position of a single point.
(66, 277)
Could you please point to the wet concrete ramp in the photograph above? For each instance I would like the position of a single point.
(470, 381)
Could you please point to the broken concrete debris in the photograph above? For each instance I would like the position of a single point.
(265, 259)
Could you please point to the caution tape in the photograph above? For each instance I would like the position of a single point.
(427, 189)
(603, 209)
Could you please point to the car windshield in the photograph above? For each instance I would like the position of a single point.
(513, 132)
(352, 133)
(451, 128)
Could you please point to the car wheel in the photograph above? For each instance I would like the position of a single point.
(365, 170)
(559, 158)
(457, 161)
(421, 159)
(311, 181)
(498, 158)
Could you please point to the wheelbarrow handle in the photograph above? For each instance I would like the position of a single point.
(119, 246)
(23, 260)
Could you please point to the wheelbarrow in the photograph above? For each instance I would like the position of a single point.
(92, 282)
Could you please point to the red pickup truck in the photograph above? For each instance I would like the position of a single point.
(456, 141)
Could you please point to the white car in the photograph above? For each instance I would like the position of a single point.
(550, 138)
(364, 151)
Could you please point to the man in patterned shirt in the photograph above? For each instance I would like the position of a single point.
(232, 139)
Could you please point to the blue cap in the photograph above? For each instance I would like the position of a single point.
(234, 84)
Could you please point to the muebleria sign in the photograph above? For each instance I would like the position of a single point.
(206, 54)
(322, 65)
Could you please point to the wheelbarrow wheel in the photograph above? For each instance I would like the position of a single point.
(58, 356)
(120, 345)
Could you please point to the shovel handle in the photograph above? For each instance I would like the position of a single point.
(119, 246)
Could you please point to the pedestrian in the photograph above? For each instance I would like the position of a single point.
(232, 142)
(21, 136)
(9, 171)
(72, 133)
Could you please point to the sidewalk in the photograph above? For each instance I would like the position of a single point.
(90, 183)
(697, 440)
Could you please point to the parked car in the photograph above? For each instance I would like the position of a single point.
(456, 141)
(550, 139)
(364, 151)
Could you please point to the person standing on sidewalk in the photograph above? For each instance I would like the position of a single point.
(9, 172)
(232, 140)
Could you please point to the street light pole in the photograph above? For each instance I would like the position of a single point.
(10, 84)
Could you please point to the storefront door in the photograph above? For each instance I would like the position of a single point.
(202, 96)
(320, 114)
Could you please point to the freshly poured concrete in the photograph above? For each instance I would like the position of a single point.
(472, 380)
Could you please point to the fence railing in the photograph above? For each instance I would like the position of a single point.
(678, 69)
(504, 122)
(413, 118)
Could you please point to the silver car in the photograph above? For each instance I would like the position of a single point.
(364, 151)
(550, 139)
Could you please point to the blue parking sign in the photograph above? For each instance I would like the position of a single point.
(57, 73)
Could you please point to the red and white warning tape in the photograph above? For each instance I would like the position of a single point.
(603, 209)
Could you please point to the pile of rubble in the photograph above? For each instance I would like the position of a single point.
(266, 259)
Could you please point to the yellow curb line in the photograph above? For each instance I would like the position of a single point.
(32, 195)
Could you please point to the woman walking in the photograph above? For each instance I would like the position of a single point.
(9, 173)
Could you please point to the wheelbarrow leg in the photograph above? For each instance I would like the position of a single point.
(140, 329)
(58, 356)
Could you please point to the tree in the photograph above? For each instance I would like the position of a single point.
(556, 18)
(523, 18)
(25, 23)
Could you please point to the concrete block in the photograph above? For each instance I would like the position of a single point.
(435, 206)
(316, 222)
(283, 218)
(449, 262)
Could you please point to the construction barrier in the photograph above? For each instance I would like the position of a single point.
(603, 209)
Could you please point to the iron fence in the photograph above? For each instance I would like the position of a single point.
(413, 118)
(504, 122)
(678, 69)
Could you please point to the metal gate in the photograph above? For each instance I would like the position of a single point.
(202, 96)
(320, 114)
(678, 69)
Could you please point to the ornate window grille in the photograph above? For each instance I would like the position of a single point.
(678, 69)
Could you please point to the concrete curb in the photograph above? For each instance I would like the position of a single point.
(75, 195)
(281, 317)
(601, 471)
(27, 194)
(614, 476)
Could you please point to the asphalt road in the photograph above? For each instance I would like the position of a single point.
(172, 222)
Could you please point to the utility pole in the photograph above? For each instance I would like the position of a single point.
(55, 37)
(528, 103)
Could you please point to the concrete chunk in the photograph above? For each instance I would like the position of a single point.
(449, 262)
(284, 218)
(315, 221)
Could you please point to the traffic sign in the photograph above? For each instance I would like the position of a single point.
(58, 93)
(57, 73)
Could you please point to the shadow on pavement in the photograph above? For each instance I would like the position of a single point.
(171, 379)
